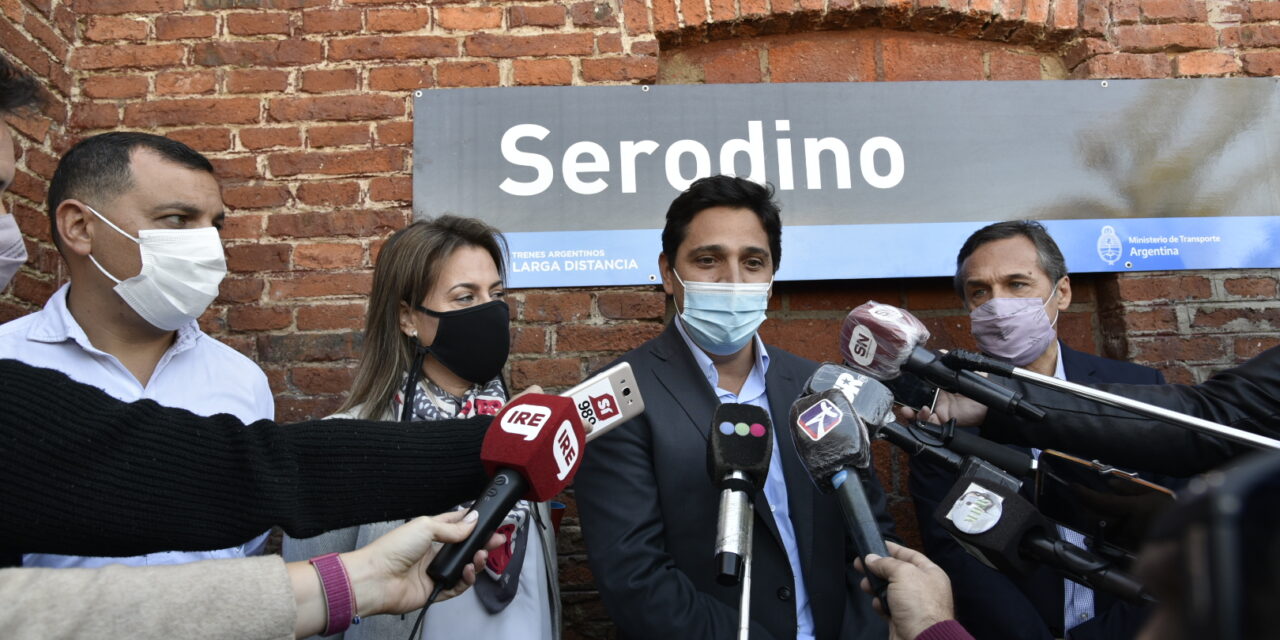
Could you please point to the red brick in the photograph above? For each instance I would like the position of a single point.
(360, 224)
(254, 318)
(258, 23)
(240, 225)
(1166, 37)
(536, 16)
(105, 29)
(320, 380)
(338, 136)
(1262, 63)
(110, 7)
(263, 137)
(555, 307)
(144, 56)
(548, 372)
(92, 115)
(1014, 66)
(361, 107)
(695, 13)
(328, 193)
(632, 305)
(1235, 319)
(185, 82)
(665, 17)
(1252, 346)
(317, 285)
(44, 33)
(467, 74)
(1251, 287)
(1176, 10)
(331, 21)
(258, 257)
(1159, 320)
(240, 290)
(1066, 14)
(395, 133)
(392, 48)
(644, 47)
(329, 80)
(1178, 349)
(908, 58)
(1126, 65)
(815, 338)
(1206, 63)
(395, 20)
(635, 14)
(725, 10)
(178, 27)
(293, 409)
(238, 167)
(528, 340)
(503, 46)
(830, 56)
(1254, 35)
(619, 337)
(114, 86)
(468, 18)
(555, 71)
(728, 64)
(256, 80)
(400, 78)
(255, 196)
(267, 54)
(609, 43)
(620, 69)
(817, 296)
(593, 14)
(203, 139)
(159, 113)
(328, 256)
(391, 189)
(315, 347)
(1139, 288)
(1260, 11)
(325, 317)
(1125, 11)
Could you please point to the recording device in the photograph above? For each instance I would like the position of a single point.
(909, 390)
(882, 341)
(532, 449)
(833, 445)
(738, 454)
(606, 400)
(966, 443)
(1113, 508)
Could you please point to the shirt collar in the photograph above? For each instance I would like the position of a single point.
(708, 368)
(1060, 370)
(56, 324)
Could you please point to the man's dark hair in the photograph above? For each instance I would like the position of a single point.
(723, 191)
(98, 168)
(18, 91)
(1048, 255)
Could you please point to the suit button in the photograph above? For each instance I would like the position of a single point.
(784, 593)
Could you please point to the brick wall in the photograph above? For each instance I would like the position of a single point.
(305, 107)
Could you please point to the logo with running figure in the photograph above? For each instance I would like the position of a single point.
(1110, 248)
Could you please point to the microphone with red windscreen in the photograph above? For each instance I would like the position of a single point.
(533, 448)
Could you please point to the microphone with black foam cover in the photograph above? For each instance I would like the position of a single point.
(871, 400)
(834, 445)
(881, 341)
(738, 455)
(532, 449)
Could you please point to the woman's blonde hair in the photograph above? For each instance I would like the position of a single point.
(407, 269)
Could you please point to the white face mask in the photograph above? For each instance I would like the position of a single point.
(721, 317)
(181, 271)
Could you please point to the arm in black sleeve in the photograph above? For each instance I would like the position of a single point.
(83, 473)
(1246, 397)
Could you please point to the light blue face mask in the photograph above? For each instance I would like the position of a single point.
(721, 317)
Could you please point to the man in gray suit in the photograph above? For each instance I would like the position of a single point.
(647, 505)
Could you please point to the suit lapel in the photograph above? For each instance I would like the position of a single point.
(679, 375)
(1076, 367)
(782, 389)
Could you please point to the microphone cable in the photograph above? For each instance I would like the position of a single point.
(417, 624)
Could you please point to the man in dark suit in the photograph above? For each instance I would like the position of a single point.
(647, 505)
(1013, 279)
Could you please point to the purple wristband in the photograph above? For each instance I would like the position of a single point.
(339, 600)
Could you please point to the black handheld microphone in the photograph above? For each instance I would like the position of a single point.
(870, 399)
(881, 341)
(833, 445)
(738, 454)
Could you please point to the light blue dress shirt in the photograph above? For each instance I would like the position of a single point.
(775, 486)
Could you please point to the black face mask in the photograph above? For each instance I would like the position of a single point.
(473, 342)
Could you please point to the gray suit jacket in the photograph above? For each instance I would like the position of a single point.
(649, 510)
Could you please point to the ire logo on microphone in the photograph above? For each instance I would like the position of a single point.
(525, 420)
(820, 419)
(566, 450)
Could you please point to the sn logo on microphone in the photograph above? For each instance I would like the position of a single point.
(525, 420)
(820, 419)
(862, 346)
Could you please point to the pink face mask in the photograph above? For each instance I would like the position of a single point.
(1016, 330)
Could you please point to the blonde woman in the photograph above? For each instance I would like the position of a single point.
(436, 338)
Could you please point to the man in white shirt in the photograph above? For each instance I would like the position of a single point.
(136, 218)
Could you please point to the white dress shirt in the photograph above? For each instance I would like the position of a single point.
(197, 373)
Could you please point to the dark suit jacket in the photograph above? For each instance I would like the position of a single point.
(649, 510)
(994, 606)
